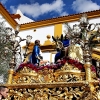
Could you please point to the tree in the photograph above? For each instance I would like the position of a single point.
(5, 49)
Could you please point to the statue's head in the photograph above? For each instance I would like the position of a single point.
(37, 42)
(58, 41)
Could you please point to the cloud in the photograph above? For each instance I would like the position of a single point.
(63, 14)
(3, 1)
(13, 9)
(35, 9)
(84, 6)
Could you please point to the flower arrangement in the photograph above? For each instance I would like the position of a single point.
(57, 65)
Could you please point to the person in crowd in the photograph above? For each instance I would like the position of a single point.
(3, 92)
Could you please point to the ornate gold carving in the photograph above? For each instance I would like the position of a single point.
(67, 73)
(56, 93)
(76, 53)
(10, 76)
(65, 83)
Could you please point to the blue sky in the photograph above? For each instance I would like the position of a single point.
(46, 9)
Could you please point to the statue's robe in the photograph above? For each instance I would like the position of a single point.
(60, 54)
(35, 55)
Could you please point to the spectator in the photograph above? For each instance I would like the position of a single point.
(3, 92)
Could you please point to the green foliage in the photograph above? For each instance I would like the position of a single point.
(5, 51)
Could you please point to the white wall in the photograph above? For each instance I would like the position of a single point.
(93, 20)
(40, 34)
(5, 22)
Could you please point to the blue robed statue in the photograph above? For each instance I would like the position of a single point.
(36, 57)
(60, 53)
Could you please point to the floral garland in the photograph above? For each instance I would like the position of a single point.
(58, 65)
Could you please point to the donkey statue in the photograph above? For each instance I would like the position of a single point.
(66, 47)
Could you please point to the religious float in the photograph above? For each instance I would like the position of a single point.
(73, 76)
